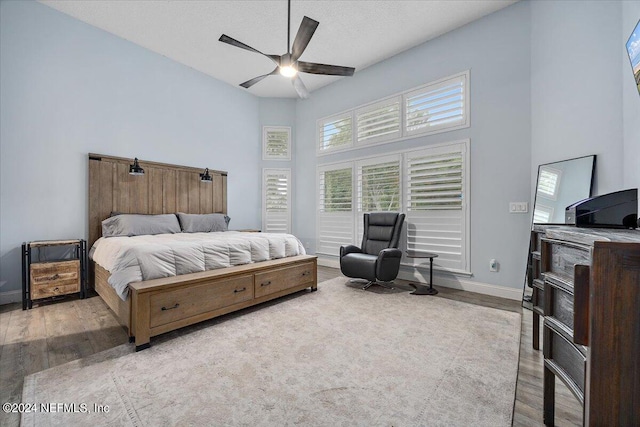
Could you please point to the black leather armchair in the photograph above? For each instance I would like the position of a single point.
(378, 260)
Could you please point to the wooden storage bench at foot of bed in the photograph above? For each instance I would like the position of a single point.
(163, 305)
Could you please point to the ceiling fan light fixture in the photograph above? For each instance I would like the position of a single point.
(288, 71)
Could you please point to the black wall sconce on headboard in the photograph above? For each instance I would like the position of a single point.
(205, 177)
(135, 168)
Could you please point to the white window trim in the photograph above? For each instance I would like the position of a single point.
(265, 172)
(265, 131)
(404, 136)
(403, 182)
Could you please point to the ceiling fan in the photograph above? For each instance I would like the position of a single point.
(289, 64)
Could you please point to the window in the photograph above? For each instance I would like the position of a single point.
(378, 188)
(276, 143)
(335, 132)
(335, 216)
(379, 122)
(436, 187)
(429, 185)
(437, 107)
(276, 200)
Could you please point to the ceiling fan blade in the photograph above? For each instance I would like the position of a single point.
(300, 87)
(305, 32)
(331, 70)
(255, 80)
(233, 42)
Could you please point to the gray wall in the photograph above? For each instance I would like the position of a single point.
(496, 50)
(67, 89)
(630, 102)
(576, 95)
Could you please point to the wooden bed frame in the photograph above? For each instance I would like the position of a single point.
(162, 305)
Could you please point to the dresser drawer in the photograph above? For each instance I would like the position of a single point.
(49, 279)
(182, 303)
(538, 295)
(559, 303)
(560, 258)
(283, 278)
(566, 358)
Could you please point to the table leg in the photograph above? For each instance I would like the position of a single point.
(424, 290)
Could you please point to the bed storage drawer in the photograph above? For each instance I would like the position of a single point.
(54, 278)
(185, 302)
(283, 278)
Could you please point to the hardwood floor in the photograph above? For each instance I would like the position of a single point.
(56, 333)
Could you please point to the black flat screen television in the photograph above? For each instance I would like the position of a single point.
(633, 49)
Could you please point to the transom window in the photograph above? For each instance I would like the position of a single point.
(435, 107)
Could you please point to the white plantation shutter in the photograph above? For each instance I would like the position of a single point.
(378, 188)
(437, 107)
(276, 201)
(379, 122)
(276, 143)
(335, 132)
(436, 191)
(335, 215)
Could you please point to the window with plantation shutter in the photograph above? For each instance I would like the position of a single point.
(435, 203)
(335, 213)
(378, 188)
(276, 143)
(437, 107)
(276, 200)
(335, 132)
(379, 122)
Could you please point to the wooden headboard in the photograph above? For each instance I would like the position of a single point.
(162, 189)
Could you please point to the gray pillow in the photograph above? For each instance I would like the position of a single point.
(205, 223)
(137, 225)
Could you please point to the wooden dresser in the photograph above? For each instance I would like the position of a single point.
(591, 335)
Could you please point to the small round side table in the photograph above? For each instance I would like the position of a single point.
(421, 289)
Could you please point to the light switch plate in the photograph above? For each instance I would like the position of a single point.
(518, 207)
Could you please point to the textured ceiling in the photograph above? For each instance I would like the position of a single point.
(351, 33)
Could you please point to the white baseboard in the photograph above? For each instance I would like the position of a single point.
(448, 281)
(10, 297)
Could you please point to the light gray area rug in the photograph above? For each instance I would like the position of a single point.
(337, 357)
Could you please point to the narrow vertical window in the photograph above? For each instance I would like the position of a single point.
(276, 200)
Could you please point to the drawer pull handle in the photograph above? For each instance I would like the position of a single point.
(306, 273)
(54, 277)
(171, 308)
(56, 289)
(265, 283)
(235, 291)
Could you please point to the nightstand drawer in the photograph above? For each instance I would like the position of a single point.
(54, 278)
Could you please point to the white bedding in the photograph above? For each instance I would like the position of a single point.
(133, 259)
